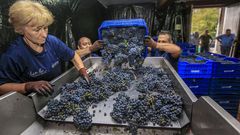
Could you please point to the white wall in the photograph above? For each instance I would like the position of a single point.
(231, 21)
(232, 18)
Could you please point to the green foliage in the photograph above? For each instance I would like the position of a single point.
(205, 18)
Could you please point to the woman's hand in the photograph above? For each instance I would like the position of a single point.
(83, 72)
(41, 87)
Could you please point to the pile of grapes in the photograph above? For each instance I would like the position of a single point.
(215, 58)
(157, 101)
(158, 108)
(157, 81)
(123, 45)
(77, 97)
(193, 59)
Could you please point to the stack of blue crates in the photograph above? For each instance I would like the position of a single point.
(225, 83)
(222, 83)
(196, 75)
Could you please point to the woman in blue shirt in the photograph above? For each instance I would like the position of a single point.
(34, 57)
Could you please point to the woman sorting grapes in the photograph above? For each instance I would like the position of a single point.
(34, 57)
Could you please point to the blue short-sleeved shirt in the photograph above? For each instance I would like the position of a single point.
(168, 56)
(227, 40)
(21, 64)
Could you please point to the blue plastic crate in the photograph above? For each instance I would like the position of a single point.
(195, 70)
(199, 86)
(221, 70)
(184, 45)
(225, 86)
(187, 48)
(224, 70)
(199, 91)
(218, 55)
(227, 101)
(190, 50)
(122, 23)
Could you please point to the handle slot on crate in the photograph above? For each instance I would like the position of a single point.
(195, 71)
(226, 87)
(228, 71)
(193, 86)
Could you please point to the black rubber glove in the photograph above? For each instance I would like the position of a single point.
(96, 45)
(41, 87)
(150, 42)
(83, 72)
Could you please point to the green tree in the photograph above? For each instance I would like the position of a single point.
(205, 18)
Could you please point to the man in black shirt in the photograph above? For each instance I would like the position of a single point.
(205, 41)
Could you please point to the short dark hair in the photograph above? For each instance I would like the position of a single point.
(228, 29)
(168, 34)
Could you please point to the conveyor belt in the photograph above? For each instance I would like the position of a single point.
(103, 109)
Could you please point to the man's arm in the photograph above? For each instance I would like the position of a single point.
(173, 49)
(219, 38)
(211, 40)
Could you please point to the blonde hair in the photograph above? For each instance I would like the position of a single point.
(24, 11)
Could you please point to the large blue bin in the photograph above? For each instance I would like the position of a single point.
(226, 101)
(122, 23)
(195, 70)
(225, 86)
(226, 70)
(222, 69)
(198, 86)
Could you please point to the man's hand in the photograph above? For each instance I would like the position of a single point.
(96, 45)
(150, 42)
(41, 87)
(84, 74)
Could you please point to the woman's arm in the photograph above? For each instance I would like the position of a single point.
(83, 52)
(41, 87)
(77, 61)
(8, 87)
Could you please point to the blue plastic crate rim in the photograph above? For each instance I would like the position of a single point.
(221, 92)
(198, 58)
(195, 76)
(219, 55)
(226, 97)
(237, 61)
(122, 23)
(228, 81)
